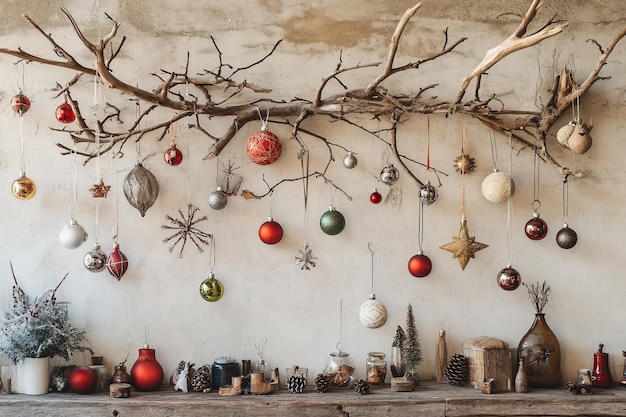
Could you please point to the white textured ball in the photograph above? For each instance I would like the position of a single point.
(72, 235)
(497, 187)
(373, 314)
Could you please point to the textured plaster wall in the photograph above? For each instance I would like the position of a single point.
(267, 295)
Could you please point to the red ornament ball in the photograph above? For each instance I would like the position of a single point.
(20, 103)
(117, 263)
(376, 197)
(173, 155)
(420, 265)
(270, 232)
(146, 374)
(536, 228)
(64, 113)
(263, 147)
(509, 279)
(83, 380)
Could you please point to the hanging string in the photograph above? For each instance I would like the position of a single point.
(138, 127)
(73, 188)
(420, 226)
(463, 171)
(536, 203)
(428, 143)
(340, 324)
(212, 253)
(509, 206)
(369, 246)
(494, 150)
(22, 161)
(565, 199)
(115, 202)
(188, 170)
(21, 77)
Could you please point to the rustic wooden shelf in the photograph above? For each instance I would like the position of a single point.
(429, 399)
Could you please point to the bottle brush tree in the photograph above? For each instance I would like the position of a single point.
(411, 349)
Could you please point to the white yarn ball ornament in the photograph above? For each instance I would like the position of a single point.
(373, 313)
(497, 187)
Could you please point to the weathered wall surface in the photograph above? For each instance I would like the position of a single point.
(267, 295)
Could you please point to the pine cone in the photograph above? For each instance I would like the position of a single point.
(457, 370)
(296, 383)
(321, 383)
(201, 379)
(361, 387)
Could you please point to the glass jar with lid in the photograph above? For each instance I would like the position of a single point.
(376, 368)
(339, 368)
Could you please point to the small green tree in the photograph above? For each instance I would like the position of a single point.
(411, 349)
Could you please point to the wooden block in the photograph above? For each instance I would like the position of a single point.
(400, 384)
(489, 358)
(119, 390)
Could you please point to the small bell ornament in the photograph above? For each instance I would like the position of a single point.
(95, 260)
(427, 194)
(24, 188)
(332, 221)
(509, 279)
(117, 262)
(172, 155)
(20, 103)
(218, 199)
(64, 113)
(375, 197)
(270, 232)
(141, 188)
(350, 161)
(72, 235)
(389, 175)
(420, 265)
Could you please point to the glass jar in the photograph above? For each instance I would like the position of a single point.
(263, 368)
(339, 368)
(296, 371)
(376, 368)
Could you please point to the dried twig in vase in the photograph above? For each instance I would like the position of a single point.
(538, 293)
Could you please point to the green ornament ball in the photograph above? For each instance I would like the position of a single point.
(332, 222)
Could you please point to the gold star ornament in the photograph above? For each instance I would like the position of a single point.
(463, 247)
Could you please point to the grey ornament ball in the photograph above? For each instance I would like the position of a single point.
(389, 175)
(218, 199)
(428, 194)
(350, 161)
(566, 238)
(95, 260)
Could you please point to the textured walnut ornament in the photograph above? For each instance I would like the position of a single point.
(580, 140)
(564, 133)
(498, 187)
(141, 188)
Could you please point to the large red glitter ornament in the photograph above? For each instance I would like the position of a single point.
(83, 380)
(263, 147)
(270, 232)
(20, 103)
(420, 265)
(173, 155)
(117, 262)
(64, 113)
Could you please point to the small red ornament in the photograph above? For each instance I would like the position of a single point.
(64, 113)
(83, 380)
(536, 228)
(509, 279)
(263, 147)
(173, 155)
(376, 197)
(270, 232)
(117, 262)
(146, 374)
(420, 265)
(20, 103)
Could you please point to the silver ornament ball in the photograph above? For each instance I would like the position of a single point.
(218, 199)
(350, 161)
(95, 260)
(428, 194)
(72, 235)
(389, 175)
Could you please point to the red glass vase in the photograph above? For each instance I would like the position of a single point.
(601, 375)
(146, 374)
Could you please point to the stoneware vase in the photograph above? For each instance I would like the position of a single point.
(33, 376)
(542, 354)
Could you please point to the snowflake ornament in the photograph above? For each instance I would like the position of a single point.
(185, 228)
(306, 260)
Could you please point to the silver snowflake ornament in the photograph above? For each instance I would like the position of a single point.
(306, 260)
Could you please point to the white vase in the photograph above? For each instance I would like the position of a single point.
(33, 376)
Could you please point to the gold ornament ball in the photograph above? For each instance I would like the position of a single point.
(498, 187)
(24, 188)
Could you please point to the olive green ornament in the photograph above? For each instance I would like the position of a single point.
(332, 222)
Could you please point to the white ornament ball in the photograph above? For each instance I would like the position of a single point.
(350, 161)
(218, 199)
(72, 235)
(498, 186)
(373, 313)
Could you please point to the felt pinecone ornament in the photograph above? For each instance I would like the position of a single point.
(361, 387)
(321, 383)
(201, 379)
(457, 370)
(296, 384)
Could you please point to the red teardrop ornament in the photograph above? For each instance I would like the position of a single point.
(270, 232)
(117, 263)
(173, 155)
(64, 113)
(420, 265)
(263, 147)
(376, 197)
(146, 374)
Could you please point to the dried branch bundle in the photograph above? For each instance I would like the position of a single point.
(538, 293)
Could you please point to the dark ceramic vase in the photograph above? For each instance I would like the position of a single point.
(542, 354)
